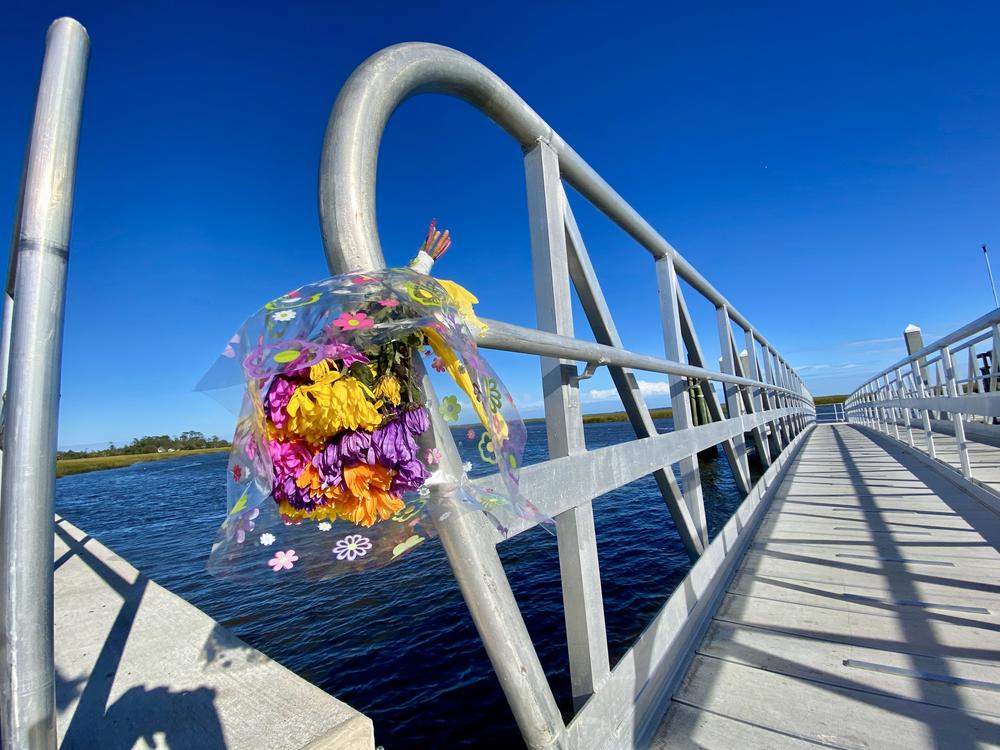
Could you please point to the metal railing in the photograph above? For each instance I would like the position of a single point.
(830, 413)
(30, 361)
(765, 402)
(944, 381)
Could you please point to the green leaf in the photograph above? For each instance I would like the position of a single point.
(239, 505)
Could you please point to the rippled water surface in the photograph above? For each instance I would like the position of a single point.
(397, 643)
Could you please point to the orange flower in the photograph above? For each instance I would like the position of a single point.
(310, 480)
(369, 486)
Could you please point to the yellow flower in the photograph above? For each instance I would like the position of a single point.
(463, 300)
(333, 402)
(321, 513)
(388, 388)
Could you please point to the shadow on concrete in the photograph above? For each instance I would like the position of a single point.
(185, 720)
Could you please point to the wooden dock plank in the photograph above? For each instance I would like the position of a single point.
(866, 613)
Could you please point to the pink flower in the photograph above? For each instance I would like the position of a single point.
(433, 456)
(388, 302)
(283, 560)
(438, 364)
(471, 434)
(352, 321)
(362, 280)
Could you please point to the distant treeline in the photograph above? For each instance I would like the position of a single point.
(824, 400)
(186, 441)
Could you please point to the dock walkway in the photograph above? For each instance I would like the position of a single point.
(137, 666)
(866, 613)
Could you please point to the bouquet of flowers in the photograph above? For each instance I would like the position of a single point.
(340, 434)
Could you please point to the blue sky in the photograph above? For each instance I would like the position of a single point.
(831, 169)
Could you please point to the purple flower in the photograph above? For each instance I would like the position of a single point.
(353, 447)
(329, 466)
(409, 476)
(345, 352)
(356, 447)
(394, 443)
(278, 397)
(286, 490)
(416, 420)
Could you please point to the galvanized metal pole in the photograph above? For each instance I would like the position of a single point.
(27, 688)
(989, 272)
(925, 415)
(583, 601)
(8, 304)
(666, 280)
(732, 393)
(905, 413)
(956, 418)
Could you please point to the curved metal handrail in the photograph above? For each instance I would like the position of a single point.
(354, 132)
(350, 235)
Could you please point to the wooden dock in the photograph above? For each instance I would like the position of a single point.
(866, 613)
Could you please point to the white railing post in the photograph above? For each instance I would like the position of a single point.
(918, 372)
(956, 417)
(583, 600)
(733, 405)
(778, 427)
(890, 410)
(993, 377)
(904, 411)
(666, 278)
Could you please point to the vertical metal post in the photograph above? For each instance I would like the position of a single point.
(956, 418)
(697, 358)
(577, 539)
(732, 394)
(779, 400)
(666, 279)
(883, 423)
(924, 412)
(27, 687)
(890, 410)
(941, 388)
(786, 381)
(761, 397)
(973, 384)
(903, 411)
(995, 360)
(595, 307)
(8, 302)
(749, 404)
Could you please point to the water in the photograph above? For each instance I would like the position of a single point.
(397, 643)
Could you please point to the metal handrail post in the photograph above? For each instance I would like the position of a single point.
(905, 412)
(27, 687)
(583, 601)
(925, 416)
(956, 417)
(733, 405)
(891, 410)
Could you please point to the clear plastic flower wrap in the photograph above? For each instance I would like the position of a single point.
(334, 464)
